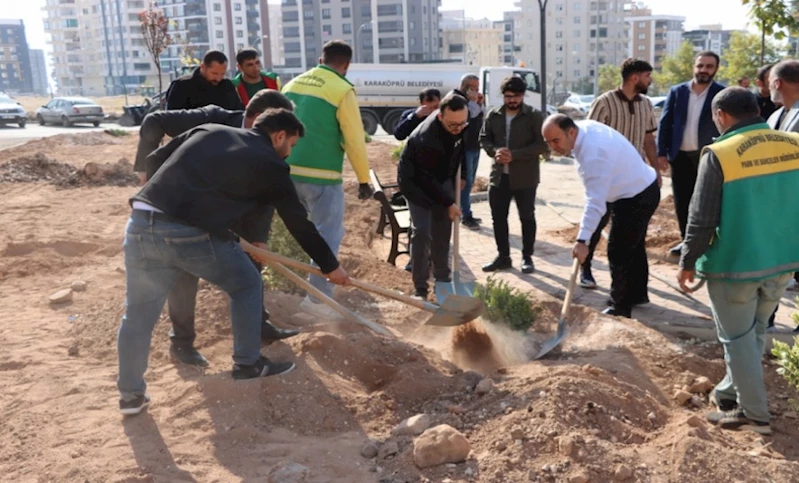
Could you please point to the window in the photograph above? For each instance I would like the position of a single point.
(641, 47)
(219, 34)
(559, 48)
(326, 13)
(346, 28)
(559, 21)
(641, 25)
(577, 73)
(559, 61)
(327, 30)
(412, 40)
(73, 22)
(411, 26)
(576, 34)
(240, 46)
(558, 35)
(217, 7)
(576, 19)
(239, 34)
(237, 7)
(238, 21)
(141, 66)
(346, 12)
(309, 13)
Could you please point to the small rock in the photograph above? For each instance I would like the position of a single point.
(439, 445)
(682, 397)
(622, 473)
(701, 385)
(119, 270)
(791, 415)
(388, 449)
(696, 401)
(652, 417)
(594, 371)
(579, 478)
(468, 472)
(73, 351)
(470, 379)
(456, 409)
(413, 426)
(517, 433)
(78, 286)
(288, 472)
(565, 446)
(369, 450)
(61, 296)
(501, 446)
(484, 387)
(694, 421)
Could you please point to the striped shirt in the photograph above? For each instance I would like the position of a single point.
(634, 119)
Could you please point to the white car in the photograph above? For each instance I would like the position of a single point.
(70, 110)
(12, 112)
(579, 102)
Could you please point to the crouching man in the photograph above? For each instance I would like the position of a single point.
(214, 176)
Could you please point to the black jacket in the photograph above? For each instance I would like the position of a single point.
(471, 134)
(174, 123)
(430, 158)
(193, 91)
(213, 176)
(407, 124)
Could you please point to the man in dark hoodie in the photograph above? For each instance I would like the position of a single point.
(207, 85)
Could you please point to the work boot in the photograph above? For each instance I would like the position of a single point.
(187, 355)
(499, 263)
(527, 265)
(587, 278)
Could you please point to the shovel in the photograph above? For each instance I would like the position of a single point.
(550, 344)
(456, 310)
(455, 287)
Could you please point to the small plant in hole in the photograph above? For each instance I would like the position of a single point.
(788, 360)
(506, 305)
(117, 132)
(282, 243)
(397, 151)
(367, 138)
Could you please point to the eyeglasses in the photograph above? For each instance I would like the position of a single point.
(454, 126)
(513, 96)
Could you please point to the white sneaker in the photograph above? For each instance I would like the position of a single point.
(320, 310)
(793, 286)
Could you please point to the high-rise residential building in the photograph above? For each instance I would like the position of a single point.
(653, 37)
(581, 36)
(406, 30)
(98, 47)
(709, 37)
(41, 85)
(470, 41)
(15, 66)
(276, 34)
(511, 44)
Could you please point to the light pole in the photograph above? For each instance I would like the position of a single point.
(260, 40)
(357, 45)
(542, 6)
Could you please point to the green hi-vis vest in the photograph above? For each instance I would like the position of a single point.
(758, 233)
(318, 157)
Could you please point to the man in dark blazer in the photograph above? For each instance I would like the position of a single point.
(686, 126)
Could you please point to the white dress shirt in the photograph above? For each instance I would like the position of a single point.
(610, 169)
(690, 136)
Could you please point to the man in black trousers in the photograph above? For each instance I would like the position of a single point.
(183, 295)
(426, 177)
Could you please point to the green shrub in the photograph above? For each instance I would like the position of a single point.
(795, 315)
(282, 243)
(397, 151)
(788, 360)
(505, 304)
(117, 132)
(367, 138)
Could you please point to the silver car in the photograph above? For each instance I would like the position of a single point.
(11, 112)
(70, 110)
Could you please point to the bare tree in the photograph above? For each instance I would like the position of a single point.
(155, 28)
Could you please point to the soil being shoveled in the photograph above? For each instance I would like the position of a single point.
(598, 409)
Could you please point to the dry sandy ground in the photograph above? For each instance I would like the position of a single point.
(603, 401)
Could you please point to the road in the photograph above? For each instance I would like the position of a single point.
(11, 135)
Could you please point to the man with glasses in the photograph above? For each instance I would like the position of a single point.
(511, 135)
(426, 176)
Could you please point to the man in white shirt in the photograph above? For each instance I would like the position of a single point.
(612, 172)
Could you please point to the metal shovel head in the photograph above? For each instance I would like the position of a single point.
(550, 344)
(457, 310)
(455, 287)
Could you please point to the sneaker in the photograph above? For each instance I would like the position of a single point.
(470, 223)
(643, 301)
(676, 250)
(499, 263)
(409, 267)
(271, 333)
(736, 419)
(263, 367)
(587, 278)
(527, 265)
(134, 406)
(723, 405)
(477, 220)
(420, 293)
(187, 355)
(320, 310)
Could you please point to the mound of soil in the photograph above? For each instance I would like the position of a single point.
(30, 169)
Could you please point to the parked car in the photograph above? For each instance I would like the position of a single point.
(70, 110)
(579, 102)
(12, 112)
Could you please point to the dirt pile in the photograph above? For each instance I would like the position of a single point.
(30, 169)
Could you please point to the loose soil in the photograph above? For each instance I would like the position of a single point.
(601, 401)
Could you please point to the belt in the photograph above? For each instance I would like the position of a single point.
(155, 216)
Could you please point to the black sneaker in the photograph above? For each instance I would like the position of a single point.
(420, 293)
(187, 355)
(470, 223)
(409, 267)
(723, 405)
(736, 419)
(477, 220)
(262, 368)
(499, 263)
(643, 301)
(270, 333)
(587, 278)
(527, 265)
(134, 406)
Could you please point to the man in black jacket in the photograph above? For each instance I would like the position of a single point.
(213, 177)
(428, 103)
(426, 176)
(206, 86)
(182, 297)
(470, 89)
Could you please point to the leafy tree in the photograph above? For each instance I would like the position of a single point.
(676, 68)
(743, 57)
(583, 86)
(609, 77)
(155, 28)
(772, 18)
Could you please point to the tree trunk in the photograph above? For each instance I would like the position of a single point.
(160, 83)
(763, 42)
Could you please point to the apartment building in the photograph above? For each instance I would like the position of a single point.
(511, 41)
(581, 36)
(276, 34)
(98, 48)
(709, 37)
(15, 67)
(406, 30)
(41, 85)
(478, 45)
(653, 37)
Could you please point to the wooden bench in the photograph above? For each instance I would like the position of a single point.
(397, 217)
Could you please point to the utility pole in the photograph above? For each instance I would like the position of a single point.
(596, 51)
(542, 7)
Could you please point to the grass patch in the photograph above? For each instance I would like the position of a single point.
(397, 151)
(506, 305)
(117, 132)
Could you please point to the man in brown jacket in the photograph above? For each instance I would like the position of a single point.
(512, 136)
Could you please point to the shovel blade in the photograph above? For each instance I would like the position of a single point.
(550, 344)
(457, 310)
(443, 290)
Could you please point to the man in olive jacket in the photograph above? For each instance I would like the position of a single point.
(512, 136)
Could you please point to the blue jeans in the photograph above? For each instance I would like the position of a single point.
(472, 160)
(741, 311)
(325, 205)
(157, 252)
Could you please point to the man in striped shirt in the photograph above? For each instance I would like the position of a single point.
(628, 111)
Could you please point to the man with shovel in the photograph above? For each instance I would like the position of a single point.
(214, 177)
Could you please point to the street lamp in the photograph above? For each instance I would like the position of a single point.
(542, 7)
(357, 45)
(260, 40)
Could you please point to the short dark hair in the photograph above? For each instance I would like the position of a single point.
(762, 73)
(452, 102)
(275, 120)
(429, 95)
(267, 99)
(708, 53)
(563, 121)
(336, 52)
(787, 70)
(738, 102)
(513, 84)
(214, 56)
(634, 66)
(246, 54)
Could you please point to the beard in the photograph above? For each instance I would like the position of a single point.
(704, 78)
(513, 106)
(642, 88)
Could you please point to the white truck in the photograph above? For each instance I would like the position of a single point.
(386, 90)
